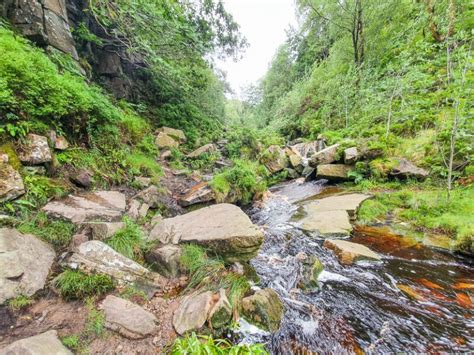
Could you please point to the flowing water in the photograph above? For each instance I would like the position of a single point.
(416, 300)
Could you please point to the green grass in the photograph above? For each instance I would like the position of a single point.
(143, 164)
(74, 285)
(206, 345)
(128, 241)
(72, 342)
(132, 293)
(20, 302)
(95, 321)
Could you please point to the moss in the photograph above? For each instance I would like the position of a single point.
(13, 159)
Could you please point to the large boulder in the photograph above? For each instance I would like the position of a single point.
(295, 159)
(348, 252)
(208, 148)
(11, 183)
(404, 169)
(43, 344)
(97, 257)
(351, 155)
(264, 309)
(223, 228)
(305, 150)
(199, 193)
(106, 206)
(193, 312)
(35, 150)
(163, 140)
(25, 262)
(128, 318)
(165, 260)
(325, 156)
(177, 134)
(274, 159)
(333, 172)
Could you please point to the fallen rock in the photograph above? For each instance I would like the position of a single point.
(305, 150)
(192, 312)
(61, 143)
(43, 344)
(98, 257)
(221, 313)
(35, 150)
(163, 140)
(351, 155)
(295, 158)
(174, 133)
(405, 170)
(199, 193)
(325, 156)
(208, 148)
(223, 228)
(107, 206)
(11, 183)
(25, 262)
(333, 172)
(127, 318)
(274, 159)
(82, 178)
(165, 260)
(264, 309)
(104, 230)
(348, 252)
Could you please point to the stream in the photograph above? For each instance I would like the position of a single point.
(416, 300)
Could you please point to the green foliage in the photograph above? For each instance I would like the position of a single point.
(206, 345)
(74, 285)
(133, 294)
(95, 322)
(57, 232)
(72, 342)
(128, 241)
(20, 302)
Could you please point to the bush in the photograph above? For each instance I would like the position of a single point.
(73, 285)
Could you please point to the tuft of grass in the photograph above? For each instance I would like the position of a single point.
(20, 302)
(78, 285)
(238, 286)
(95, 322)
(207, 345)
(72, 342)
(128, 241)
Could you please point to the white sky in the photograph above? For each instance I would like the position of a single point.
(263, 23)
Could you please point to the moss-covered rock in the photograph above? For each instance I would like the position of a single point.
(264, 309)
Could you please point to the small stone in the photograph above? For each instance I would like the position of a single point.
(104, 230)
(61, 143)
(133, 209)
(165, 260)
(142, 182)
(35, 150)
(143, 210)
(351, 155)
(208, 148)
(78, 239)
(221, 313)
(83, 178)
(163, 140)
(199, 193)
(11, 183)
(166, 155)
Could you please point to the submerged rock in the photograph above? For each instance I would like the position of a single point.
(35, 150)
(11, 183)
(224, 228)
(333, 172)
(128, 318)
(264, 309)
(192, 312)
(325, 156)
(348, 252)
(43, 344)
(165, 260)
(25, 262)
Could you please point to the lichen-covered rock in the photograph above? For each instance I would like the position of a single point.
(333, 172)
(11, 183)
(221, 313)
(224, 228)
(163, 140)
(177, 134)
(42, 344)
(25, 262)
(274, 159)
(35, 150)
(165, 260)
(351, 155)
(61, 143)
(311, 268)
(128, 318)
(192, 312)
(208, 148)
(264, 309)
(325, 156)
(404, 169)
(348, 252)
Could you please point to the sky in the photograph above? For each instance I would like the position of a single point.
(263, 23)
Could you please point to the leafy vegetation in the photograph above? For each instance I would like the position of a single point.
(76, 285)
(128, 241)
(19, 302)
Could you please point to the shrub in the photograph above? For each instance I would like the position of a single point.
(78, 285)
(201, 345)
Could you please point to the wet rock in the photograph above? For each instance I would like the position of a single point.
(142, 182)
(61, 143)
(208, 148)
(309, 173)
(43, 344)
(82, 178)
(35, 150)
(11, 183)
(348, 252)
(406, 170)
(264, 309)
(333, 172)
(151, 196)
(221, 313)
(305, 150)
(163, 140)
(107, 206)
(224, 228)
(274, 159)
(311, 268)
(104, 230)
(199, 193)
(295, 158)
(127, 318)
(192, 312)
(177, 134)
(351, 155)
(25, 262)
(165, 260)
(325, 156)
(97, 257)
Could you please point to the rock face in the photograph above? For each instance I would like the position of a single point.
(95, 256)
(106, 206)
(351, 155)
(208, 148)
(192, 312)
(199, 193)
(325, 156)
(177, 134)
(163, 140)
(11, 183)
(43, 344)
(127, 318)
(348, 252)
(35, 151)
(274, 159)
(333, 172)
(330, 216)
(223, 227)
(165, 260)
(405, 169)
(264, 308)
(25, 262)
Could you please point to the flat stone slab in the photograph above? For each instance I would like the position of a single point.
(43, 344)
(225, 228)
(192, 312)
(128, 318)
(107, 206)
(348, 252)
(25, 262)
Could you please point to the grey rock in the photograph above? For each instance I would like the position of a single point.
(404, 169)
(163, 140)
(104, 230)
(264, 309)
(199, 193)
(35, 150)
(348, 252)
(192, 312)
(151, 196)
(61, 143)
(325, 156)
(165, 260)
(208, 148)
(82, 178)
(334, 172)
(351, 155)
(43, 344)
(11, 183)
